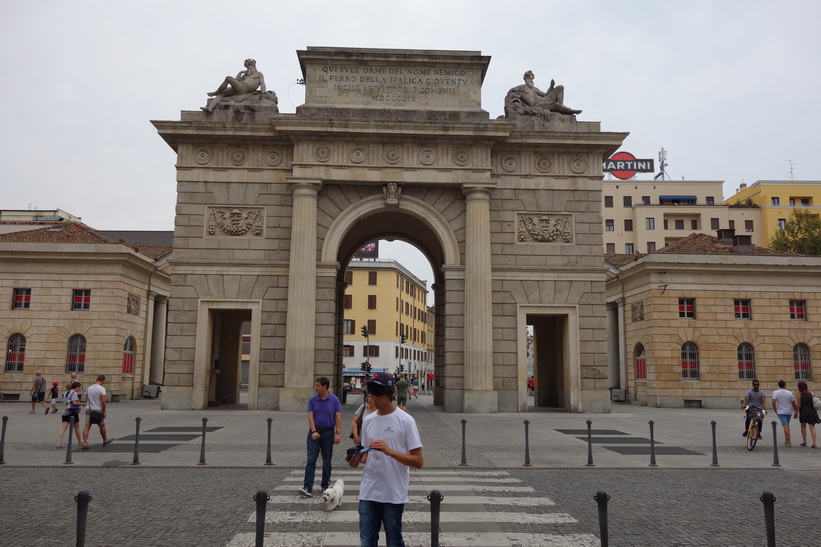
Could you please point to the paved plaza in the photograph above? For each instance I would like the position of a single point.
(494, 500)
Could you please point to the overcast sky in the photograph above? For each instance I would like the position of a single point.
(730, 88)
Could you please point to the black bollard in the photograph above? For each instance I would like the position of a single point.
(464, 452)
(3, 441)
(82, 499)
(202, 450)
(775, 447)
(527, 444)
(268, 456)
(715, 450)
(589, 444)
(68, 444)
(602, 498)
(769, 516)
(435, 498)
(652, 446)
(262, 499)
(136, 460)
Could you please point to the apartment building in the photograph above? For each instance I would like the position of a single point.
(777, 199)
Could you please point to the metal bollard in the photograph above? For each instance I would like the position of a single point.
(602, 498)
(715, 449)
(464, 452)
(527, 444)
(136, 460)
(68, 444)
(262, 499)
(775, 447)
(268, 456)
(202, 450)
(435, 498)
(3, 441)
(652, 446)
(589, 444)
(82, 499)
(769, 516)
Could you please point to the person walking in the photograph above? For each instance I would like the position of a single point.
(416, 387)
(364, 409)
(53, 395)
(784, 406)
(38, 392)
(324, 425)
(95, 411)
(807, 414)
(402, 386)
(72, 404)
(393, 446)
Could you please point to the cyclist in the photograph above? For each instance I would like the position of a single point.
(754, 398)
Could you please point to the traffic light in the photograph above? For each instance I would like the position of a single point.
(363, 366)
(401, 368)
(368, 365)
(364, 331)
(402, 338)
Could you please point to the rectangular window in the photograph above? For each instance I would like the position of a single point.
(371, 326)
(782, 223)
(372, 278)
(348, 301)
(82, 299)
(21, 300)
(792, 202)
(714, 224)
(732, 225)
(651, 246)
(775, 201)
(611, 248)
(349, 326)
(748, 225)
(805, 202)
(645, 200)
(680, 224)
(666, 226)
(628, 201)
(798, 310)
(629, 248)
(711, 200)
(608, 225)
(370, 351)
(608, 201)
(349, 277)
(650, 223)
(371, 301)
(628, 225)
(687, 308)
(347, 351)
(694, 224)
(742, 309)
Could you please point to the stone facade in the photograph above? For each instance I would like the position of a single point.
(390, 143)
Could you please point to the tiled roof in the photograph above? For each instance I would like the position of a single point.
(65, 232)
(153, 251)
(620, 260)
(703, 244)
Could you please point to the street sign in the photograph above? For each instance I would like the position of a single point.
(624, 165)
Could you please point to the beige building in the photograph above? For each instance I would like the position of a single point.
(777, 199)
(641, 216)
(76, 301)
(692, 324)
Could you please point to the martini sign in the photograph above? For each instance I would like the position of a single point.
(624, 165)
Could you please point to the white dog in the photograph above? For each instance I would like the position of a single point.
(333, 496)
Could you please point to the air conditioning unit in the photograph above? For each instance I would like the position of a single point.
(617, 395)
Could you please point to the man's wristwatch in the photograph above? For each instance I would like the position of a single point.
(337, 431)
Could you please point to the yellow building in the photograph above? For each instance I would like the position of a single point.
(387, 299)
(777, 199)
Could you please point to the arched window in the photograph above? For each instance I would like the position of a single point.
(15, 353)
(128, 356)
(689, 361)
(801, 362)
(746, 362)
(641, 363)
(76, 358)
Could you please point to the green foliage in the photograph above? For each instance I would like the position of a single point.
(802, 234)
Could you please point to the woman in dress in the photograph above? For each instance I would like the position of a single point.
(72, 404)
(807, 414)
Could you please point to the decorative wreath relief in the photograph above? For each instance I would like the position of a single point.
(273, 157)
(544, 164)
(202, 156)
(510, 164)
(393, 154)
(133, 304)
(545, 228)
(238, 156)
(462, 156)
(578, 165)
(235, 222)
(322, 153)
(358, 154)
(427, 156)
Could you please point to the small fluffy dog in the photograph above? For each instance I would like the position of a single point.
(333, 496)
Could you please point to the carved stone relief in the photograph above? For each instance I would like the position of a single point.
(132, 305)
(392, 192)
(544, 228)
(238, 221)
(638, 311)
(393, 154)
(238, 156)
(202, 156)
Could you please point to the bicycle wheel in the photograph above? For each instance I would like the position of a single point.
(752, 436)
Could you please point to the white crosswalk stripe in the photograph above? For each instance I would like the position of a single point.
(465, 517)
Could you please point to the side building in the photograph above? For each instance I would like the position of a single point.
(76, 301)
(692, 324)
(777, 199)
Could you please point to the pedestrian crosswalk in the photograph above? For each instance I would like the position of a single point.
(480, 508)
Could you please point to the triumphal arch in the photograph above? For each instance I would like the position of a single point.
(389, 144)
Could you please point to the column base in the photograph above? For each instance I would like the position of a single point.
(480, 402)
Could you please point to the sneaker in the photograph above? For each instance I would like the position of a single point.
(60, 446)
(788, 445)
(304, 493)
(46, 410)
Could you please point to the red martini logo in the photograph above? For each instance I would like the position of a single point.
(624, 165)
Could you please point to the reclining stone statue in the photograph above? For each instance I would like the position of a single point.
(246, 83)
(529, 100)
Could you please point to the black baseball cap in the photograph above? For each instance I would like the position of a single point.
(381, 379)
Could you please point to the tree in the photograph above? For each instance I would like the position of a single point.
(801, 235)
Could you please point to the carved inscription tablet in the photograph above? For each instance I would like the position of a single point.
(236, 221)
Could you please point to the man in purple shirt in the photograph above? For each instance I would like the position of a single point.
(324, 425)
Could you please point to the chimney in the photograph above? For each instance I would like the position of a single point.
(743, 245)
(725, 236)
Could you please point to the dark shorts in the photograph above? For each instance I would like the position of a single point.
(76, 417)
(94, 417)
(402, 398)
(38, 396)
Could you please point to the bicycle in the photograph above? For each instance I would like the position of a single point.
(756, 424)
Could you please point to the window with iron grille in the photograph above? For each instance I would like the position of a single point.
(128, 356)
(641, 363)
(687, 308)
(689, 361)
(76, 356)
(742, 309)
(21, 299)
(801, 362)
(746, 362)
(798, 310)
(82, 300)
(15, 353)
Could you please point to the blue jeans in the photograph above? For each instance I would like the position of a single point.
(372, 515)
(325, 445)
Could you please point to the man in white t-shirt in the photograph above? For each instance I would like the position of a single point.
(95, 410)
(393, 446)
(784, 405)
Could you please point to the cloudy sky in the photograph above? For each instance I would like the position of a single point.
(729, 88)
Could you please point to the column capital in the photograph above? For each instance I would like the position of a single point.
(477, 191)
(304, 187)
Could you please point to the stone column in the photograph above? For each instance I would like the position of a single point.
(479, 395)
(300, 330)
(158, 340)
